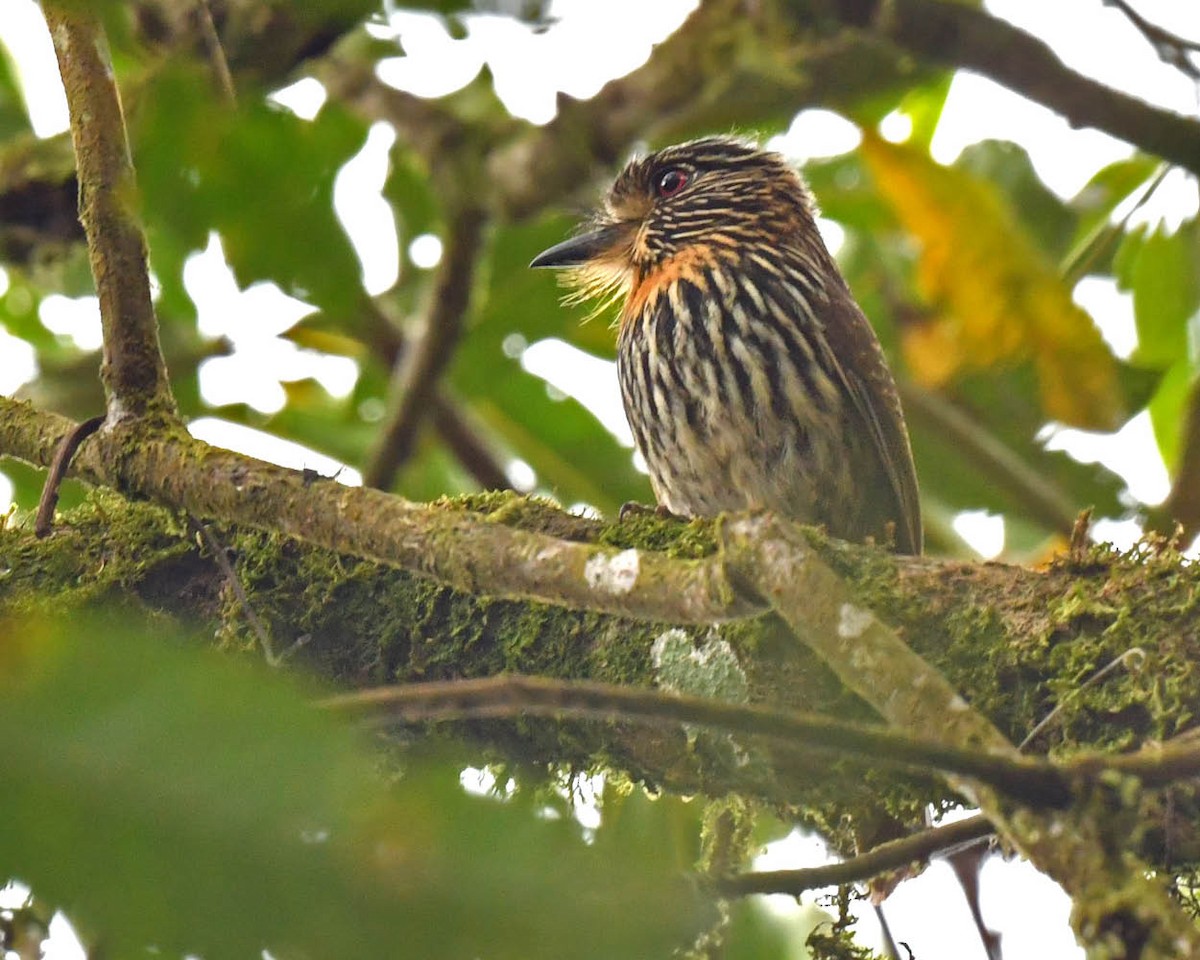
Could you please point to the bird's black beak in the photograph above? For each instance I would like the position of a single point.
(581, 249)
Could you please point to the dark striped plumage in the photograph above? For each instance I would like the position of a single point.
(749, 374)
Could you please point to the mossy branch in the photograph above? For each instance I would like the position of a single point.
(456, 549)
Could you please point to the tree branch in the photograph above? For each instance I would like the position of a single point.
(1110, 889)
(133, 370)
(453, 547)
(463, 440)
(422, 364)
(1170, 47)
(893, 855)
(1033, 782)
(958, 35)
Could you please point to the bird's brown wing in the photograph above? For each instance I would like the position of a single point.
(858, 362)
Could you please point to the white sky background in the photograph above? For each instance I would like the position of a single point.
(591, 43)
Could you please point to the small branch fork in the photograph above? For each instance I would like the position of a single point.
(421, 366)
(893, 855)
(1170, 47)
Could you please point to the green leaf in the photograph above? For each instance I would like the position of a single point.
(1007, 411)
(1007, 165)
(923, 105)
(1168, 410)
(408, 191)
(260, 176)
(13, 118)
(1162, 270)
(756, 933)
(1105, 191)
(181, 800)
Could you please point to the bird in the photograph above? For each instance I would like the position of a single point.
(750, 377)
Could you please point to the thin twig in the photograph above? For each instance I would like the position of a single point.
(1156, 765)
(892, 855)
(58, 469)
(133, 370)
(1034, 782)
(235, 584)
(1133, 654)
(1171, 48)
(472, 450)
(966, 864)
(215, 52)
(422, 365)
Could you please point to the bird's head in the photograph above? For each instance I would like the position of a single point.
(704, 202)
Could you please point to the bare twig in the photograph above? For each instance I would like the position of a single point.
(58, 469)
(235, 584)
(967, 864)
(1134, 655)
(469, 448)
(216, 53)
(422, 365)
(133, 371)
(887, 856)
(1034, 782)
(473, 451)
(1171, 48)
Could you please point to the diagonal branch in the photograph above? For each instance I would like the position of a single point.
(133, 370)
(893, 855)
(961, 35)
(1005, 469)
(1112, 891)
(451, 420)
(1171, 48)
(414, 383)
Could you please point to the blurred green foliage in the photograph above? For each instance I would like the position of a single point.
(179, 799)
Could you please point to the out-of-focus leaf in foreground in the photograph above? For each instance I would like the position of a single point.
(183, 800)
(996, 297)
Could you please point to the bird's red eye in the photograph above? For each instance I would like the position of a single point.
(671, 182)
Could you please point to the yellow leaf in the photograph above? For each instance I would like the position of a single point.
(996, 298)
(326, 341)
